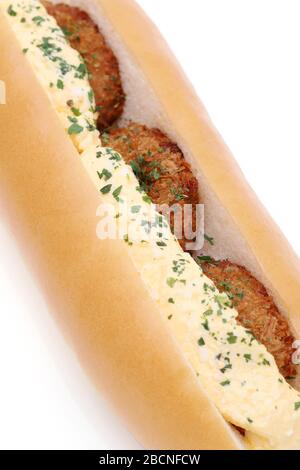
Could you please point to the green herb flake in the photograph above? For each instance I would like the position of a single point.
(91, 96)
(171, 281)
(135, 209)
(105, 174)
(11, 11)
(66, 32)
(266, 362)
(247, 357)
(117, 193)
(75, 129)
(209, 239)
(60, 84)
(76, 111)
(225, 383)
(208, 312)
(231, 338)
(204, 259)
(126, 239)
(38, 20)
(205, 325)
(147, 199)
(106, 189)
(81, 71)
(105, 138)
(225, 368)
(201, 342)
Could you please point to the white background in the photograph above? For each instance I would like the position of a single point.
(243, 58)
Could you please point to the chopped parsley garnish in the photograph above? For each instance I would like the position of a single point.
(81, 71)
(64, 66)
(75, 111)
(178, 194)
(147, 199)
(114, 155)
(11, 11)
(225, 383)
(66, 32)
(247, 357)
(209, 239)
(297, 406)
(228, 366)
(225, 285)
(105, 138)
(126, 239)
(47, 47)
(135, 168)
(105, 174)
(222, 301)
(90, 126)
(208, 312)
(240, 295)
(91, 96)
(75, 129)
(231, 338)
(117, 193)
(135, 209)
(106, 189)
(72, 119)
(204, 259)
(171, 281)
(171, 300)
(60, 84)
(266, 362)
(201, 342)
(155, 174)
(38, 20)
(205, 325)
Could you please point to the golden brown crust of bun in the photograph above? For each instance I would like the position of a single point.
(95, 291)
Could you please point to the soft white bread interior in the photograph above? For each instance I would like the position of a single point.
(52, 206)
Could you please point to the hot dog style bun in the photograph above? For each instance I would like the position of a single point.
(164, 337)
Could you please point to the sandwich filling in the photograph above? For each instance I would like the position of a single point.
(237, 372)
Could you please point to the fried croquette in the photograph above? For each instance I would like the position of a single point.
(101, 63)
(256, 310)
(159, 166)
